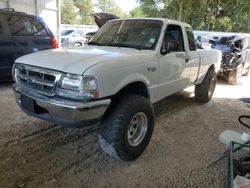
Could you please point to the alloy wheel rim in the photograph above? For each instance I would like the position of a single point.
(137, 129)
(211, 87)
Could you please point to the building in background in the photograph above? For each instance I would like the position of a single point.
(49, 10)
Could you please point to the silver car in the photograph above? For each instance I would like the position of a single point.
(75, 39)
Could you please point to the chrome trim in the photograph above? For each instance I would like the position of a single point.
(37, 80)
(23, 72)
(63, 111)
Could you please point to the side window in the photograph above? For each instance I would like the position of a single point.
(191, 40)
(174, 33)
(21, 25)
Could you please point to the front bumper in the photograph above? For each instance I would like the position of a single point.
(62, 111)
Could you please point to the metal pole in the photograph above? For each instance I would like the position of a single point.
(59, 23)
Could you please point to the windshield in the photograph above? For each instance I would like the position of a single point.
(139, 34)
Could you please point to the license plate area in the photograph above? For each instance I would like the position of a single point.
(28, 103)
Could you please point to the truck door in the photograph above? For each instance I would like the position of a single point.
(174, 62)
(7, 49)
(194, 62)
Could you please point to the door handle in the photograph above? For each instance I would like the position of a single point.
(184, 56)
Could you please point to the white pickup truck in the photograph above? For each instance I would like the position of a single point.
(127, 66)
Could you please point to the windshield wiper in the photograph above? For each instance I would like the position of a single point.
(120, 45)
(124, 46)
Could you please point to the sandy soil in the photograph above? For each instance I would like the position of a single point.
(35, 153)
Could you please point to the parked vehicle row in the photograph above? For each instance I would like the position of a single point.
(21, 34)
(76, 38)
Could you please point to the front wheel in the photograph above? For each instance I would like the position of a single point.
(205, 90)
(127, 130)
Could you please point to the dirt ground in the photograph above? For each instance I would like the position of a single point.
(35, 153)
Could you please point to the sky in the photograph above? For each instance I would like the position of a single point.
(126, 5)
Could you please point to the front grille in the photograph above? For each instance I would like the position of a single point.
(40, 80)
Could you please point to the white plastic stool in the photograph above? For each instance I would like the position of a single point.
(228, 135)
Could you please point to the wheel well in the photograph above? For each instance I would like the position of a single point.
(78, 43)
(138, 88)
(211, 67)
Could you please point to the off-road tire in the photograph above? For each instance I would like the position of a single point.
(203, 91)
(113, 137)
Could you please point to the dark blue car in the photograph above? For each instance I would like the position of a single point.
(21, 34)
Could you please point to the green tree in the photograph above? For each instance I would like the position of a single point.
(68, 12)
(237, 11)
(150, 8)
(85, 9)
(110, 6)
(213, 15)
(136, 12)
(248, 23)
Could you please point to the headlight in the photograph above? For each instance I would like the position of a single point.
(72, 82)
(15, 71)
(78, 87)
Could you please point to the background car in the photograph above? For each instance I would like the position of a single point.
(81, 37)
(89, 35)
(21, 34)
(67, 32)
(75, 39)
(235, 55)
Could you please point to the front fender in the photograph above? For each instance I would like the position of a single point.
(131, 78)
(110, 82)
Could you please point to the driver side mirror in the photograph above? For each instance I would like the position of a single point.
(171, 47)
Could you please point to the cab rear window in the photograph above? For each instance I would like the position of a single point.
(21, 25)
(191, 40)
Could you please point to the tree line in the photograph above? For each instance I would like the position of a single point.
(79, 11)
(209, 15)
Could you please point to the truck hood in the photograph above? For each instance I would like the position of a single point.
(77, 60)
(101, 18)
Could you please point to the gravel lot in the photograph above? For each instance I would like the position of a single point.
(35, 153)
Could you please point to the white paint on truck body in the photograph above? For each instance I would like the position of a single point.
(116, 67)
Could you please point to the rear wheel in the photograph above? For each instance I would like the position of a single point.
(127, 130)
(77, 44)
(205, 90)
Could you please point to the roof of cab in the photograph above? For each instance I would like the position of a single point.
(165, 20)
(11, 10)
